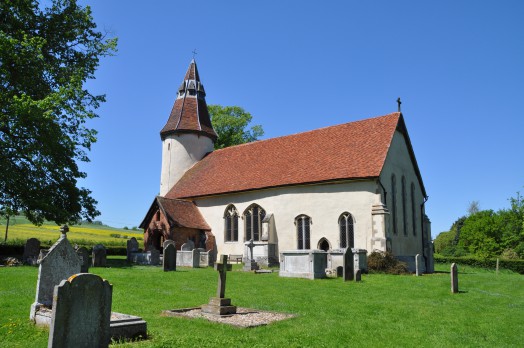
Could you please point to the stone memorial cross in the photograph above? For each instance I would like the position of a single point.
(222, 268)
(250, 245)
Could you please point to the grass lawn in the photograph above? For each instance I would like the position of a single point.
(382, 310)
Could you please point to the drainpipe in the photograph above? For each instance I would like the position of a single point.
(422, 230)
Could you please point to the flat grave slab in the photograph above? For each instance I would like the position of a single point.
(244, 317)
(121, 326)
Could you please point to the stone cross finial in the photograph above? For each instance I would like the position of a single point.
(222, 268)
(250, 245)
(399, 102)
(64, 229)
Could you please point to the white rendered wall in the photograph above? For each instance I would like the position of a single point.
(322, 203)
(179, 153)
(399, 163)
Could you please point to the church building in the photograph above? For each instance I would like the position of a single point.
(353, 185)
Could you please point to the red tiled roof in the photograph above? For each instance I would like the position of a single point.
(178, 212)
(353, 150)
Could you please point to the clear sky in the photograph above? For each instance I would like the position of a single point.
(300, 65)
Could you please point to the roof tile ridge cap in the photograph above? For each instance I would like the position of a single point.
(397, 114)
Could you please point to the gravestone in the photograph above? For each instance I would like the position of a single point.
(348, 265)
(81, 312)
(59, 263)
(454, 278)
(358, 275)
(188, 246)
(169, 259)
(31, 251)
(154, 257)
(250, 264)
(99, 256)
(220, 305)
(417, 265)
(132, 247)
(167, 242)
(83, 254)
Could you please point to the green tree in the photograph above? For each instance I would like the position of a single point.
(46, 56)
(231, 124)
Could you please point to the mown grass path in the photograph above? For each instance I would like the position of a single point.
(381, 311)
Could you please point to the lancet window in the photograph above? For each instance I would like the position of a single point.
(413, 210)
(404, 207)
(231, 224)
(303, 223)
(347, 234)
(253, 217)
(394, 203)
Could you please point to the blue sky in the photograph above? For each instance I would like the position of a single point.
(300, 65)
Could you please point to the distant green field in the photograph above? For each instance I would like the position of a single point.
(20, 229)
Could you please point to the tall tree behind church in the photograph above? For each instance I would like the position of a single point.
(46, 56)
(231, 124)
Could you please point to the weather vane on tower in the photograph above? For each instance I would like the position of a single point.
(194, 53)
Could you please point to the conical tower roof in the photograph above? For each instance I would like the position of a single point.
(189, 113)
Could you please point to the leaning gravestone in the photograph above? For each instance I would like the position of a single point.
(83, 254)
(99, 256)
(81, 312)
(348, 265)
(169, 259)
(31, 251)
(60, 262)
(132, 247)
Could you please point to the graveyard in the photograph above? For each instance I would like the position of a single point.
(381, 310)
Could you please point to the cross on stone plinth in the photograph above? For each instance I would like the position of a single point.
(250, 245)
(222, 268)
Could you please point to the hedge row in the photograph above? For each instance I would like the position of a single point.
(513, 265)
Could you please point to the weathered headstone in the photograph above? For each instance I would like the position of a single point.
(154, 257)
(358, 275)
(188, 246)
(417, 265)
(348, 265)
(169, 259)
(220, 305)
(83, 254)
(454, 278)
(31, 251)
(250, 264)
(167, 242)
(81, 312)
(59, 263)
(99, 256)
(132, 247)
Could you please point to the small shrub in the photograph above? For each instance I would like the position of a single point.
(385, 262)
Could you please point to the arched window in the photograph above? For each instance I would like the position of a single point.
(253, 217)
(231, 224)
(347, 234)
(394, 202)
(303, 223)
(413, 210)
(404, 207)
(323, 244)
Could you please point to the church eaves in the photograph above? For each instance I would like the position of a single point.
(189, 113)
(350, 151)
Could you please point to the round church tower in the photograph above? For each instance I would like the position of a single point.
(188, 134)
